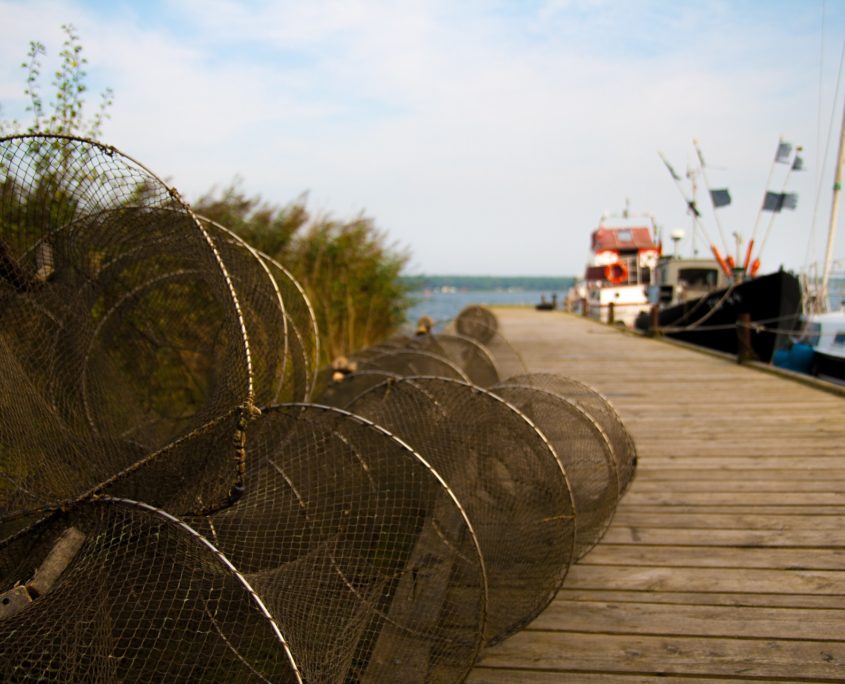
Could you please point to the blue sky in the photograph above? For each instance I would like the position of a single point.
(485, 137)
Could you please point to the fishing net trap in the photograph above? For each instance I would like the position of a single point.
(173, 509)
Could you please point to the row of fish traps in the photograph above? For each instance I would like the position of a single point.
(175, 504)
(538, 461)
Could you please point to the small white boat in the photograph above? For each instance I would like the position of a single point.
(623, 255)
(820, 350)
(826, 335)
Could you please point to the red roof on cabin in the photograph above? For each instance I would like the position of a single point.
(622, 238)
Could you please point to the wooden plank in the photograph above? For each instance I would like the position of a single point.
(732, 509)
(691, 656)
(673, 498)
(756, 440)
(721, 580)
(827, 538)
(796, 472)
(485, 675)
(688, 445)
(761, 483)
(806, 411)
(801, 413)
(675, 453)
(716, 557)
(692, 620)
(704, 598)
(744, 461)
(649, 517)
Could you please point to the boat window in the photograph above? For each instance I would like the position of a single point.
(698, 277)
(624, 236)
(839, 339)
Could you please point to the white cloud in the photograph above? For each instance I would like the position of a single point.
(487, 138)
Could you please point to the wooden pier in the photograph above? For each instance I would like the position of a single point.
(726, 558)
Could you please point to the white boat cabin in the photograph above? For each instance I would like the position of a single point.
(621, 266)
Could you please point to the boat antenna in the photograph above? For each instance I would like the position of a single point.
(796, 165)
(707, 185)
(834, 212)
(696, 216)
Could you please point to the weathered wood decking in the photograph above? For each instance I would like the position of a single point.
(726, 558)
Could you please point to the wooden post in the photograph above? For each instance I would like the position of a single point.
(64, 550)
(585, 307)
(610, 316)
(14, 601)
(654, 320)
(59, 557)
(744, 350)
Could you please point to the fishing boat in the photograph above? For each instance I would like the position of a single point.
(724, 303)
(629, 281)
(767, 308)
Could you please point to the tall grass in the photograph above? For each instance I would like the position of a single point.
(349, 269)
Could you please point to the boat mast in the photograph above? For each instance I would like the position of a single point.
(707, 187)
(834, 214)
(696, 215)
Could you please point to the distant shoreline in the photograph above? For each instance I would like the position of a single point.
(487, 283)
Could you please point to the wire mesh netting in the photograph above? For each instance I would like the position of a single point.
(476, 322)
(280, 324)
(584, 451)
(480, 324)
(263, 310)
(120, 325)
(198, 473)
(411, 362)
(504, 473)
(599, 408)
(340, 390)
(472, 357)
(507, 358)
(166, 516)
(303, 341)
(357, 547)
(140, 597)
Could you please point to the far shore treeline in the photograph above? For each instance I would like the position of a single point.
(486, 283)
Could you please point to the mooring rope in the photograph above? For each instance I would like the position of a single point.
(757, 326)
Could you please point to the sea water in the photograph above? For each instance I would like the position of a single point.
(443, 302)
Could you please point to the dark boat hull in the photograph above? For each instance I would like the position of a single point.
(828, 367)
(772, 301)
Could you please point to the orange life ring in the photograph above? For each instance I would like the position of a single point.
(616, 273)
